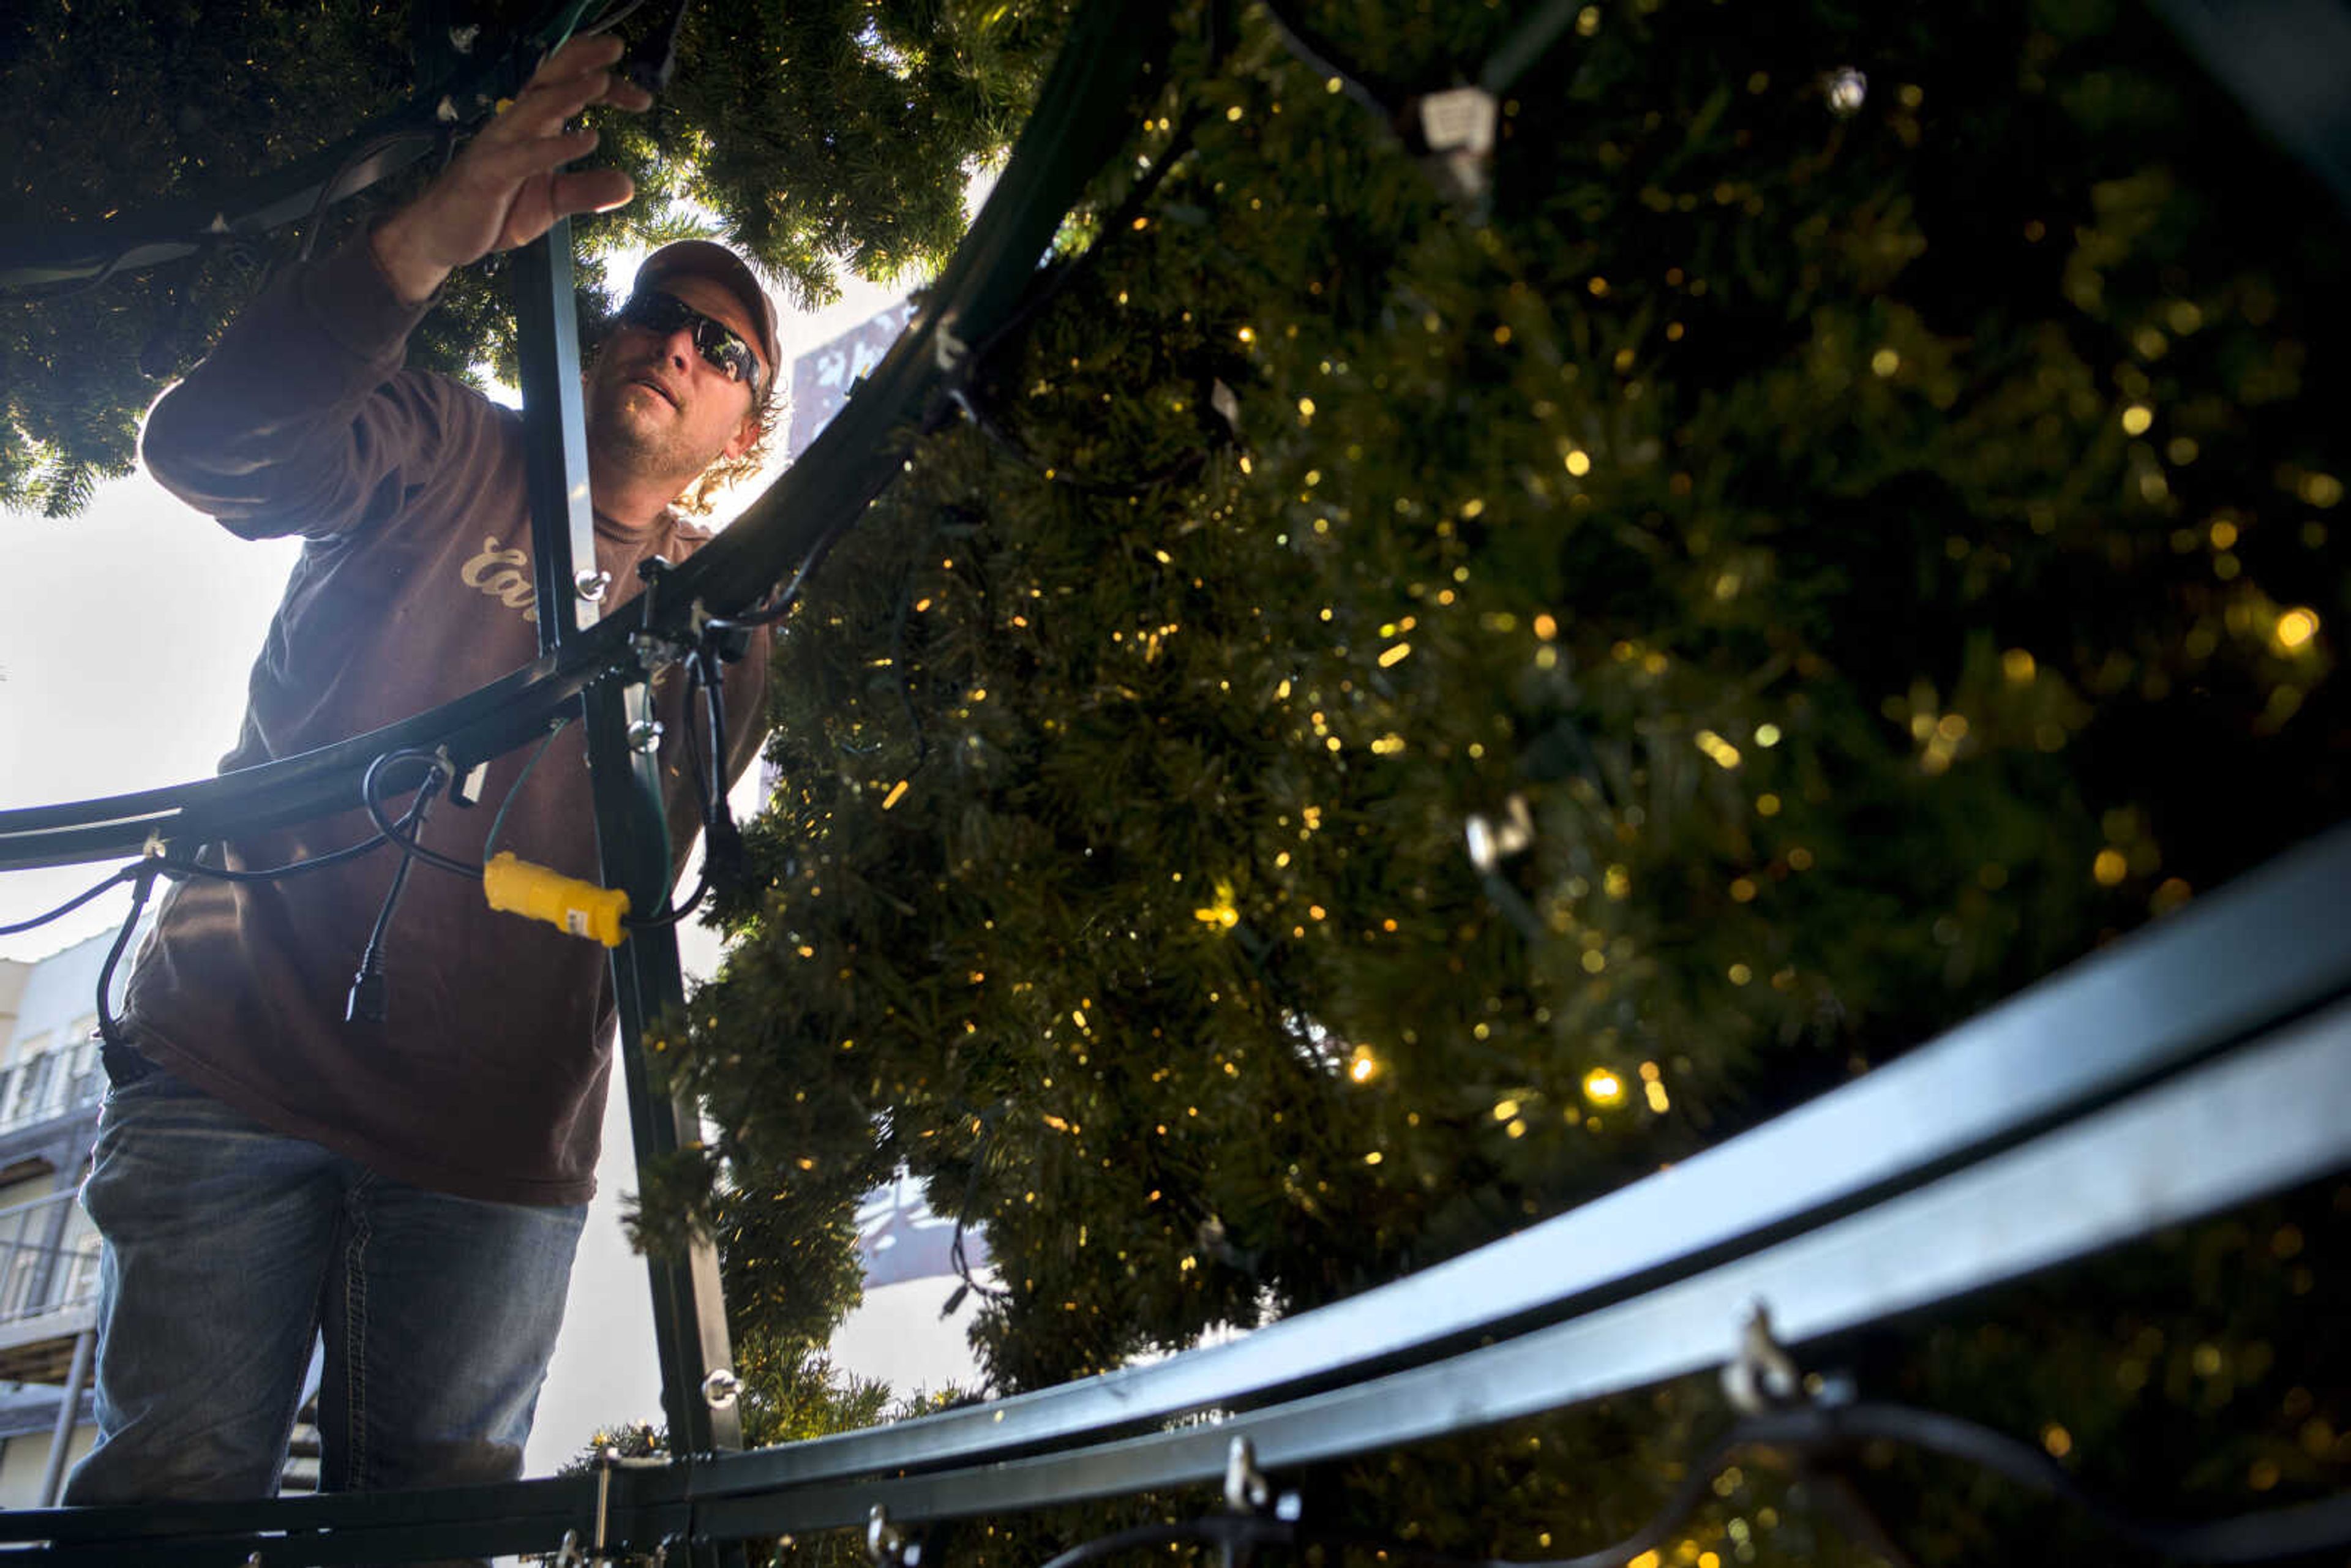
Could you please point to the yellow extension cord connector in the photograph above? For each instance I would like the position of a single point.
(581, 908)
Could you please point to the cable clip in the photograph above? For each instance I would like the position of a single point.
(1227, 404)
(886, 1546)
(1247, 1489)
(1763, 1377)
(948, 350)
(1491, 843)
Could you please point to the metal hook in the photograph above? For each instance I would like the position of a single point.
(1246, 1489)
(885, 1545)
(1761, 1376)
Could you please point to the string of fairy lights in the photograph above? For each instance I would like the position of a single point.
(1942, 729)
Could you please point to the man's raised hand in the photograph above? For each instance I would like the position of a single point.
(508, 185)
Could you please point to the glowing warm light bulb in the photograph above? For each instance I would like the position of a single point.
(2295, 628)
(1603, 1087)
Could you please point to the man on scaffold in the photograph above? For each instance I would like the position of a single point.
(410, 1186)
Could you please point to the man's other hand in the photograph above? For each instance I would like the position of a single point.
(508, 185)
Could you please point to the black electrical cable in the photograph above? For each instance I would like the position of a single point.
(722, 858)
(960, 390)
(69, 905)
(273, 873)
(1055, 474)
(368, 1002)
(774, 607)
(1049, 286)
(611, 17)
(438, 770)
(360, 154)
(2246, 1537)
(74, 287)
(141, 878)
(702, 678)
(675, 913)
(653, 60)
(172, 231)
(956, 1259)
(142, 873)
(905, 676)
(1383, 100)
(1531, 41)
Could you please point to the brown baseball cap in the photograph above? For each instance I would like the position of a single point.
(706, 258)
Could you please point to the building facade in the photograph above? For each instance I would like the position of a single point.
(50, 1088)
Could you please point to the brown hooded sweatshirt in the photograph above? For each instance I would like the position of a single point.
(487, 1079)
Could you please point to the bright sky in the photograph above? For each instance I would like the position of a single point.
(125, 644)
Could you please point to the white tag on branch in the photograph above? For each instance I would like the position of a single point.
(1460, 120)
(1221, 398)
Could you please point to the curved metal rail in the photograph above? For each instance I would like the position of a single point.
(2224, 1029)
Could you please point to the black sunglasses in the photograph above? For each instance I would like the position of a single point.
(663, 314)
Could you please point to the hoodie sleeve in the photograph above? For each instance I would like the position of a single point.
(301, 420)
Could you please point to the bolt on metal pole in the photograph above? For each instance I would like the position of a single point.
(689, 1316)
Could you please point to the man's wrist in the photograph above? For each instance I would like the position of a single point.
(414, 278)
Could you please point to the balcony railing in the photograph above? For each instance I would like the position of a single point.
(48, 1259)
(51, 1084)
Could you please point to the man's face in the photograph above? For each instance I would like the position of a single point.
(656, 406)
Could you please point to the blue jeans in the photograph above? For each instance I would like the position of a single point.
(230, 1246)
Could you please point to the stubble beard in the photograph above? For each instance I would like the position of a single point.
(650, 446)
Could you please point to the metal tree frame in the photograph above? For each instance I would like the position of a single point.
(2225, 1030)
(2047, 1129)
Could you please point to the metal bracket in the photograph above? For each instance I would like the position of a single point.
(885, 1545)
(1247, 1488)
(1762, 1375)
